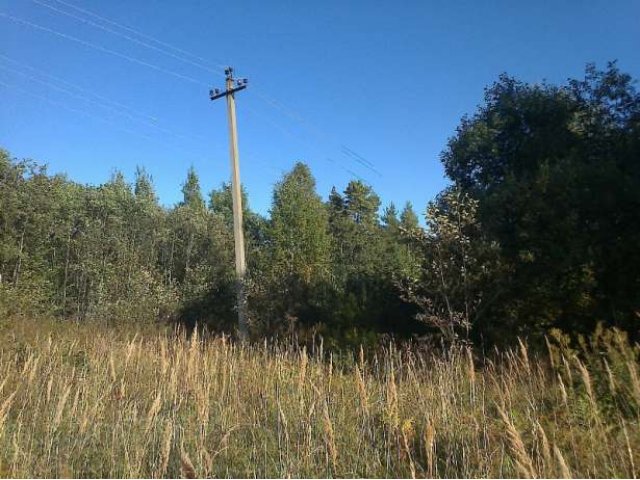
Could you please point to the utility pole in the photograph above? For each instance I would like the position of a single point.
(232, 86)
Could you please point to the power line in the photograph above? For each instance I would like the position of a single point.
(101, 104)
(349, 153)
(318, 132)
(250, 156)
(301, 140)
(139, 33)
(130, 38)
(74, 110)
(357, 156)
(67, 91)
(112, 123)
(202, 63)
(80, 89)
(115, 125)
(100, 48)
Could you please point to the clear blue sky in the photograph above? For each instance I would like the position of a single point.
(388, 80)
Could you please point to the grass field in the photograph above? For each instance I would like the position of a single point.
(84, 400)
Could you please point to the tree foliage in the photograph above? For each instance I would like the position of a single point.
(539, 229)
(556, 174)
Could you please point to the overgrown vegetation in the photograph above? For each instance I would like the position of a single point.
(538, 230)
(82, 399)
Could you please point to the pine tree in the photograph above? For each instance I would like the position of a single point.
(390, 218)
(361, 203)
(143, 186)
(408, 218)
(191, 193)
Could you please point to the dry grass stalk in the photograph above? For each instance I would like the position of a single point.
(188, 470)
(568, 370)
(408, 433)
(362, 390)
(586, 380)
(74, 404)
(393, 417)
(471, 367)
(632, 462)
(523, 461)
(165, 453)
(563, 391)
(284, 423)
(564, 469)
(32, 371)
(304, 360)
(60, 409)
(4, 410)
(524, 355)
(49, 386)
(430, 449)
(330, 439)
(635, 382)
(551, 353)
(546, 449)
(164, 358)
(611, 378)
(153, 411)
(249, 389)
(112, 368)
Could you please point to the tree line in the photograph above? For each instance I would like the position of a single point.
(539, 229)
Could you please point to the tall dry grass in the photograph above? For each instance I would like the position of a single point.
(81, 400)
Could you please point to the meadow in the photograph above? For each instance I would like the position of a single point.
(87, 400)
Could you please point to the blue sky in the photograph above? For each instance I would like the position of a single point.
(387, 80)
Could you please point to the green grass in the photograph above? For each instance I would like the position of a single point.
(88, 401)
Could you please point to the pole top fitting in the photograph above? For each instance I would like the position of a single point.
(228, 72)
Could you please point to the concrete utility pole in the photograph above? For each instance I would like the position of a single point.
(232, 86)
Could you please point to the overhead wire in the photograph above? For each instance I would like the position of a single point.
(359, 159)
(204, 64)
(357, 156)
(314, 129)
(100, 48)
(74, 110)
(85, 98)
(296, 137)
(92, 93)
(138, 32)
(269, 100)
(111, 123)
(130, 38)
(70, 92)
(92, 115)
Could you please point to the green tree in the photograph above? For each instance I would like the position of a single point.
(366, 259)
(453, 286)
(191, 193)
(408, 218)
(221, 203)
(556, 177)
(361, 203)
(390, 219)
(300, 245)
